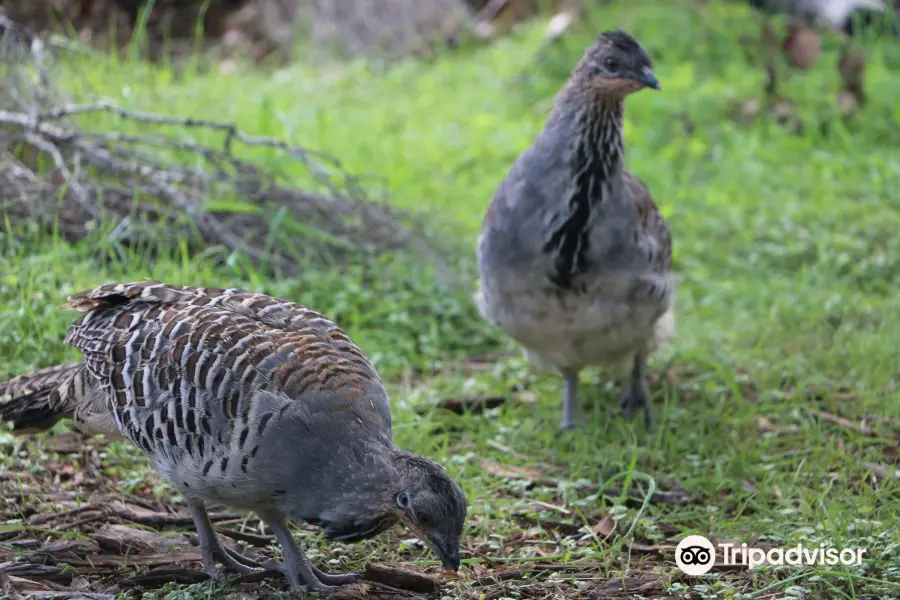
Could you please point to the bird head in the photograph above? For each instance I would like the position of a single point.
(433, 507)
(616, 64)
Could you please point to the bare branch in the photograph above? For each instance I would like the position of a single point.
(162, 178)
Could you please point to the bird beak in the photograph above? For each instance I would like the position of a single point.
(449, 553)
(647, 78)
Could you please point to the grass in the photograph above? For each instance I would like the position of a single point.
(787, 257)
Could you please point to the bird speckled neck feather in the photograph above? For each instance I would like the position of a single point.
(595, 157)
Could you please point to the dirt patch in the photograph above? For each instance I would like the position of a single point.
(69, 529)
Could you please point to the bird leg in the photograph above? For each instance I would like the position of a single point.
(296, 566)
(325, 578)
(210, 547)
(636, 395)
(570, 403)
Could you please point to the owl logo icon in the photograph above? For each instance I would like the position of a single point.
(695, 555)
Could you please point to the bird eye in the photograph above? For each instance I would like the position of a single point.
(403, 500)
(610, 63)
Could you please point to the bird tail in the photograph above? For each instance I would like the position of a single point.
(40, 399)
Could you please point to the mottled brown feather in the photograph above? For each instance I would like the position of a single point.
(154, 352)
(652, 224)
(157, 349)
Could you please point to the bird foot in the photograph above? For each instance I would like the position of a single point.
(238, 563)
(337, 578)
(634, 399)
(235, 563)
(570, 426)
(295, 579)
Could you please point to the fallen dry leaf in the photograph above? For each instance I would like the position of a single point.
(477, 570)
(509, 471)
(748, 486)
(604, 527)
(803, 45)
(526, 396)
(782, 110)
(474, 405)
(846, 102)
(749, 110)
(764, 424)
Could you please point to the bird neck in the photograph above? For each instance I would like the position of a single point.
(363, 506)
(598, 146)
(595, 154)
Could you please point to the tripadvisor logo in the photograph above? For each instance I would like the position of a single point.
(696, 555)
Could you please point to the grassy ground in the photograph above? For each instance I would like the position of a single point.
(777, 407)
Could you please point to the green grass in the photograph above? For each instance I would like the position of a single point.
(786, 249)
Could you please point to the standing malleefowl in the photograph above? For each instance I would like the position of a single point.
(574, 258)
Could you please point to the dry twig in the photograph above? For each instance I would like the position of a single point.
(861, 428)
(163, 179)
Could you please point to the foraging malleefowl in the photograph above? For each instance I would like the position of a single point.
(574, 258)
(249, 401)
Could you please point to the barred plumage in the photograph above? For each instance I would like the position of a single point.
(41, 399)
(574, 257)
(248, 400)
(191, 369)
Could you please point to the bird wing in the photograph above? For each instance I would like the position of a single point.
(41, 381)
(186, 364)
(652, 225)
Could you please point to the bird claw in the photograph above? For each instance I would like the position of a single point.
(273, 565)
(634, 399)
(236, 562)
(337, 579)
(296, 580)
